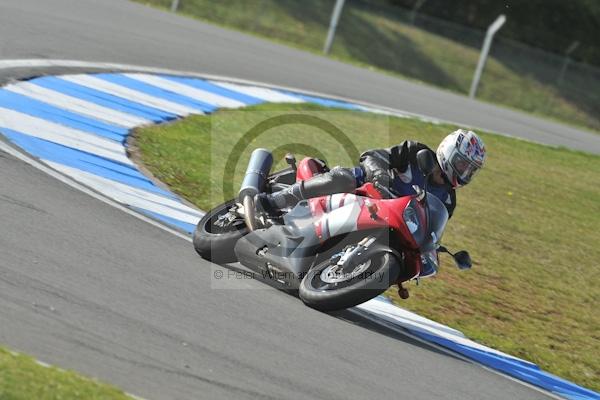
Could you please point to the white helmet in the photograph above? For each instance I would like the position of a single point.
(461, 155)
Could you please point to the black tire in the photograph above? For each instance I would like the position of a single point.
(214, 243)
(384, 271)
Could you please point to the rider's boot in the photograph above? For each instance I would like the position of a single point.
(338, 180)
(271, 204)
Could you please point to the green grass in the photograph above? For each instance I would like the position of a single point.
(22, 378)
(530, 221)
(382, 39)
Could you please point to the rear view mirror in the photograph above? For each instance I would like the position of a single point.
(463, 259)
(425, 161)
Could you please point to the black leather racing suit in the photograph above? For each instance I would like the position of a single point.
(394, 167)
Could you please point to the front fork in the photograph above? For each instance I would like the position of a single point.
(412, 263)
(348, 253)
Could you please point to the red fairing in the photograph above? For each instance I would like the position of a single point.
(368, 190)
(318, 206)
(389, 214)
(308, 167)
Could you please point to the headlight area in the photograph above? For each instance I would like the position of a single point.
(430, 263)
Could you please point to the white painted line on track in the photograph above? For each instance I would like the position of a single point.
(371, 317)
(76, 185)
(63, 135)
(415, 322)
(131, 196)
(187, 90)
(134, 95)
(76, 105)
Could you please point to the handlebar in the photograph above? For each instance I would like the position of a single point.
(389, 192)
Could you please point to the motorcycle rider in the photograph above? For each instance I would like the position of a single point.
(459, 157)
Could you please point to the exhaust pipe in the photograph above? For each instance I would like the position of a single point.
(254, 182)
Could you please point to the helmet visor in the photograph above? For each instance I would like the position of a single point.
(465, 170)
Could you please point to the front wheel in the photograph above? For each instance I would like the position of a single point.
(217, 233)
(325, 288)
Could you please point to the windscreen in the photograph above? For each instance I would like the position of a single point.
(438, 218)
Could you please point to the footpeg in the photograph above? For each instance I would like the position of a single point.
(403, 292)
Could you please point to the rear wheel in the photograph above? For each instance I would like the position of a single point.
(325, 287)
(217, 233)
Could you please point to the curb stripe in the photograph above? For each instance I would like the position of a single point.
(95, 83)
(215, 89)
(187, 227)
(63, 135)
(22, 156)
(65, 101)
(107, 101)
(265, 94)
(35, 108)
(126, 174)
(417, 323)
(212, 99)
(152, 90)
(127, 195)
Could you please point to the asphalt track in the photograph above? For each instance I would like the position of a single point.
(88, 287)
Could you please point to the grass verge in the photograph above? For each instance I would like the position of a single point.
(21, 377)
(382, 38)
(530, 220)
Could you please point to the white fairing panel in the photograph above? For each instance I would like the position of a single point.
(341, 219)
(339, 200)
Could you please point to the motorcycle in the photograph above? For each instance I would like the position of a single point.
(337, 251)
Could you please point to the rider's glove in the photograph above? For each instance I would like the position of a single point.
(385, 180)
